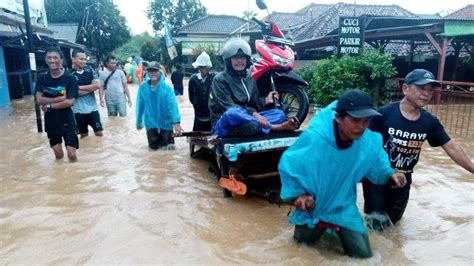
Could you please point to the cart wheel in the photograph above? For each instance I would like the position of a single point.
(227, 193)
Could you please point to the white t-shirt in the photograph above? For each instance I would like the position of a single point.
(114, 92)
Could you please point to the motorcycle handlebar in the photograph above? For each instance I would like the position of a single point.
(265, 26)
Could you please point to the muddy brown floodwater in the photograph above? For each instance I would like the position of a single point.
(122, 203)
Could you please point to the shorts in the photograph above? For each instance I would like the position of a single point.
(69, 136)
(85, 120)
(161, 139)
(119, 108)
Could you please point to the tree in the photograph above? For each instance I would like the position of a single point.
(151, 50)
(367, 71)
(176, 13)
(101, 26)
(133, 46)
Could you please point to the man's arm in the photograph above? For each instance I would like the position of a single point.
(63, 104)
(101, 96)
(457, 154)
(41, 100)
(127, 93)
(86, 89)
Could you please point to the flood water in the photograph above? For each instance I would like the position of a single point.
(124, 204)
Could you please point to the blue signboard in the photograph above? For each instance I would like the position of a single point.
(4, 94)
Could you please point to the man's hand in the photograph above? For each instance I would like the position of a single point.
(271, 97)
(178, 131)
(129, 103)
(398, 180)
(305, 202)
(102, 102)
(262, 120)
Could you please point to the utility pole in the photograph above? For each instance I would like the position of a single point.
(31, 60)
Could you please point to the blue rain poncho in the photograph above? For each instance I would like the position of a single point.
(156, 109)
(314, 165)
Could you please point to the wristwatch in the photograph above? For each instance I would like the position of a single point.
(48, 107)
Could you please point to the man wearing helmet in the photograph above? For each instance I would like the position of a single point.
(234, 104)
(199, 88)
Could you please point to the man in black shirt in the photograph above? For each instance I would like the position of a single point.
(405, 126)
(85, 108)
(56, 91)
(199, 88)
(177, 79)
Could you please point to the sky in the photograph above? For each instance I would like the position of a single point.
(134, 10)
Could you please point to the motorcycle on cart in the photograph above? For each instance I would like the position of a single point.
(249, 165)
(273, 69)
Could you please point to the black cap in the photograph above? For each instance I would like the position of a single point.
(357, 104)
(421, 77)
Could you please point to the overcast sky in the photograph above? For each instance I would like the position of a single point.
(134, 10)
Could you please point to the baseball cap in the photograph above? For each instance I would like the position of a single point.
(357, 104)
(153, 65)
(421, 77)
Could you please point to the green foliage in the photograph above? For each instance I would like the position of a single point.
(367, 72)
(65, 11)
(176, 12)
(101, 26)
(134, 46)
(151, 50)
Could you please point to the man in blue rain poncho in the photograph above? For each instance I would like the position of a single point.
(324, 165)
(157, 109)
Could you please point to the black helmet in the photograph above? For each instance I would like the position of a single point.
(236, 46)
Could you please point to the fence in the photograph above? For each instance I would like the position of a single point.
(455, 109)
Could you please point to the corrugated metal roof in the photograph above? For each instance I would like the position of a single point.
(64, 31)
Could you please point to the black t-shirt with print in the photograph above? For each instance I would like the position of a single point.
(58, 119)
(403, 138)
(85, 77)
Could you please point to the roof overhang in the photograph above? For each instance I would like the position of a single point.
(396, 33)
(17, 21)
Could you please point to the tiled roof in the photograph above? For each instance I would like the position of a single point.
(213, 24)
(430, 16)
(465, 13)
(287, 21)
(329, 20)
(64, 31)
(314, 10)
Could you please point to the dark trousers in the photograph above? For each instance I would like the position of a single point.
(161, 139)
(249, 128)
(384, 198)
(354, 244)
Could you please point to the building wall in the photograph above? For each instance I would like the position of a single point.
(4, 94)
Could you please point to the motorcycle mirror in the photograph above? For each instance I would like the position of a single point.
(261, 4)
